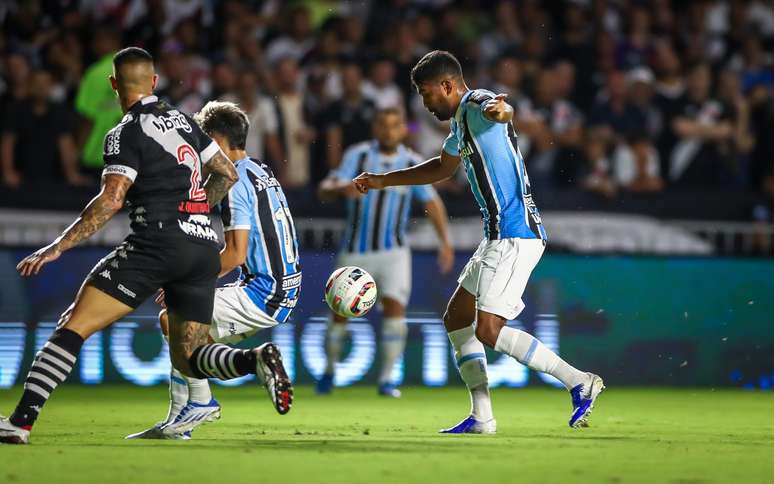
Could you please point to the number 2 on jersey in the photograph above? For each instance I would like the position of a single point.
(187, 156)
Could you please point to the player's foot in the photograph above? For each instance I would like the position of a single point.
(324, 385)
(583, 397)
(389, 390)
(157, 433)
(472, 426)
(11, 434)
(191, 416)
(270, 370)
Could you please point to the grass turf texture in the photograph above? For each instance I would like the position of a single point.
(637, 435)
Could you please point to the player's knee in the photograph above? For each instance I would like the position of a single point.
(487, 332)
(164, 322)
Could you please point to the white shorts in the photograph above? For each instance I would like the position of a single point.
(497, 274)
(235, 317)
(391, 269)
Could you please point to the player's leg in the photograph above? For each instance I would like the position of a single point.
(470, 356)
(501, 283)
(92, 311)
(394, 332)
(335, 337)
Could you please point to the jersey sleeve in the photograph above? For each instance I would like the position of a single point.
(451, 143)
(347, 170)
(235, 208)
(206, 147)
(121, 151)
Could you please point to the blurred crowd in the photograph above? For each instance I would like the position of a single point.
(610, 96)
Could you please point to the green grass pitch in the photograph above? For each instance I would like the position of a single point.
(637, 435)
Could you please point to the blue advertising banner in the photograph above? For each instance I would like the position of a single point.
(635, 320)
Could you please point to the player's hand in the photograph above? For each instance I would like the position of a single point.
(32, 264)
(497, 109)
(368, 181)
(351, 191)
(445, 258)
(160, 299)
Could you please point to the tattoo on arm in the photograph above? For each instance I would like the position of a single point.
(99, 210)
(222, 176)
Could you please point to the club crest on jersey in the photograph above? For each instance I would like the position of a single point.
(175, 120)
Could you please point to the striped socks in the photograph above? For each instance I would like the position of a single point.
(221, 362)
(471, 362)
(51, 366)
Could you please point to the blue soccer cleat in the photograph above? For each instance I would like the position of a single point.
(324, 385)
(389, 390)
(191, 416)
(472, 426)
(583, 397)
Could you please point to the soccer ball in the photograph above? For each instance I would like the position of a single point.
(350, 292)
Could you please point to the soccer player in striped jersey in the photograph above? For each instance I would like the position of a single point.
(483, 138)
(261, 240)
(375, 238)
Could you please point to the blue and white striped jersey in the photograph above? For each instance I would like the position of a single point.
(495, 170)
(377, 221)
(272, 272)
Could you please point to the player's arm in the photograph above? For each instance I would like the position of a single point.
(431, 171)
(234, 254)
(221, 175)
(96, 214)
(333, 187)
(436, 212)
(498, 110)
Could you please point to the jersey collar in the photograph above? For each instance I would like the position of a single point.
(458, 113)
(143, 102)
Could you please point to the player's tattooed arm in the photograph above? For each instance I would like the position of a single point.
(222, 176)
(96, 214)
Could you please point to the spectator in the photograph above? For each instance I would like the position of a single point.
(703, 127)
(298, 39)
(176, 84)
(348, 120)
(380, 85)
(763, 216)
(96, 102)
(506, 35)
(295, 134)
(37, 145)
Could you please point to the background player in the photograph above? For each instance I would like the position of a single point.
(162, 156)
(376, 238)
(261, 239)
(492, 283)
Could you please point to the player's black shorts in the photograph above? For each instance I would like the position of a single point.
(145, 262)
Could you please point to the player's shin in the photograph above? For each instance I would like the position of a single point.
(394, 331)
(51, 366)
(471, 362)
(221, 362)
(531, 352)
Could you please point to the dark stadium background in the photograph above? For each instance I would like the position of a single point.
(659, 268)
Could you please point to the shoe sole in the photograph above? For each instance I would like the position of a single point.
(597, 386)
(270, 360)
(13, 440)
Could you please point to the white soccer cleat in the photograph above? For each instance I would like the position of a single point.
(583, 397)
(472, 426)
(271, 372)
(156, 433)
(11, 434)
(191, 416)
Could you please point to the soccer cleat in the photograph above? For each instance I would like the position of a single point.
(156, 433)
(11, 434)
(275, 379)
(583, 397)
(472, 426)
(324, 385)
(191, 416)
(389, 390)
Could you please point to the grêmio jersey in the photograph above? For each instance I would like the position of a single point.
(162, 151)
(271, 275)
(495, 170)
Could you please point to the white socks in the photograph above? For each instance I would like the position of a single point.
(530, 352)
(394, 331)
(471, 361)
(178, 394)
(334, 341)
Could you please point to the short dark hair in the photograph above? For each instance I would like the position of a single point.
(226, 119)
(434, 65)
(131, 55)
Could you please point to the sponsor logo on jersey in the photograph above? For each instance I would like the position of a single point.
(113, 141)
(466, 151)
(291, 281)
(198, 226)
(126, 291)
(174, 120)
